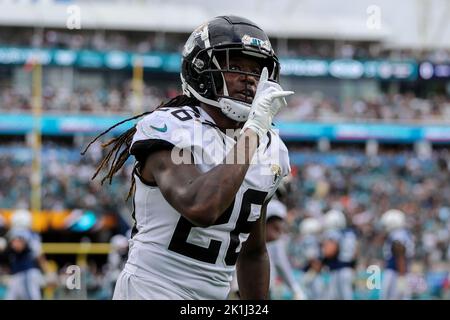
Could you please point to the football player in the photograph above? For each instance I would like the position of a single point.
(310, 252)
(398, 250)
(117, 258)
(277, 246)
(339, 250)
(26, 259)
(199, 206)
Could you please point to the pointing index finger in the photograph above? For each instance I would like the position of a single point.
(280, 94)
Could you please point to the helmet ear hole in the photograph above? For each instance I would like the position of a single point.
(218, 82)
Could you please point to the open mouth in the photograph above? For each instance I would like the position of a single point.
(245, 95)
(248, 92)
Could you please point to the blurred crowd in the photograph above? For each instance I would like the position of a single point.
(315, 106)
(119, 100)
(365, 187)
(144, 42)
(101, 40)
(384, 107)
(66, 180)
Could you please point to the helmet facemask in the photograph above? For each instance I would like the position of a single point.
(213, 63)
(221, 64)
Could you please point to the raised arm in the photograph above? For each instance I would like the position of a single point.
(200, 197)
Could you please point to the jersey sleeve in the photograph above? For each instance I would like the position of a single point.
(332, 235)
(284, 159)
(36, 245)
(161, 130)
(279, 156)
(279, 152)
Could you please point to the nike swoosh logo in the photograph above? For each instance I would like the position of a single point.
(163, 129)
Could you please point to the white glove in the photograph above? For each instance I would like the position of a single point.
(402, 286)
(269, 99)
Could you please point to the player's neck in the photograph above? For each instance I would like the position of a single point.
(220, 119)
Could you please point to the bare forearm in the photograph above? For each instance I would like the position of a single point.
(42, 261)
(254, 277)
(218, 187)
(399, 252)
(201, 197)
(401, 265)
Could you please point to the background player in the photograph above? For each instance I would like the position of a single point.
(309, 249)
(277, 242)
(25, 259)
(398, 250)
(339, 249)
(115, 263)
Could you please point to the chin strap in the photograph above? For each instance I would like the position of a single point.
(237, 111)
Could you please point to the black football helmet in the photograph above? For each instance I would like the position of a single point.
(206, 56)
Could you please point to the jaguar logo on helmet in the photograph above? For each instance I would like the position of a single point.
(251, 41)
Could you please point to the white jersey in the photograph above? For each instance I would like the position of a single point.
(392, 289)
(310, 248)
(348, 242)
(166, 249)
(347, 246)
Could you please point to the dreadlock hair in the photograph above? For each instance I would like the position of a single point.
(119, 146)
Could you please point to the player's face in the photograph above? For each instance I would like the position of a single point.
(18, 244)
(330, 249)
(242, 86)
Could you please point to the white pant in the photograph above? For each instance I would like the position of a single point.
(314, 285)
(131, 287)
(390, 289)
(25, 285)
(340, 286)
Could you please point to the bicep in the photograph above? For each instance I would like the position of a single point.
(171, 178)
